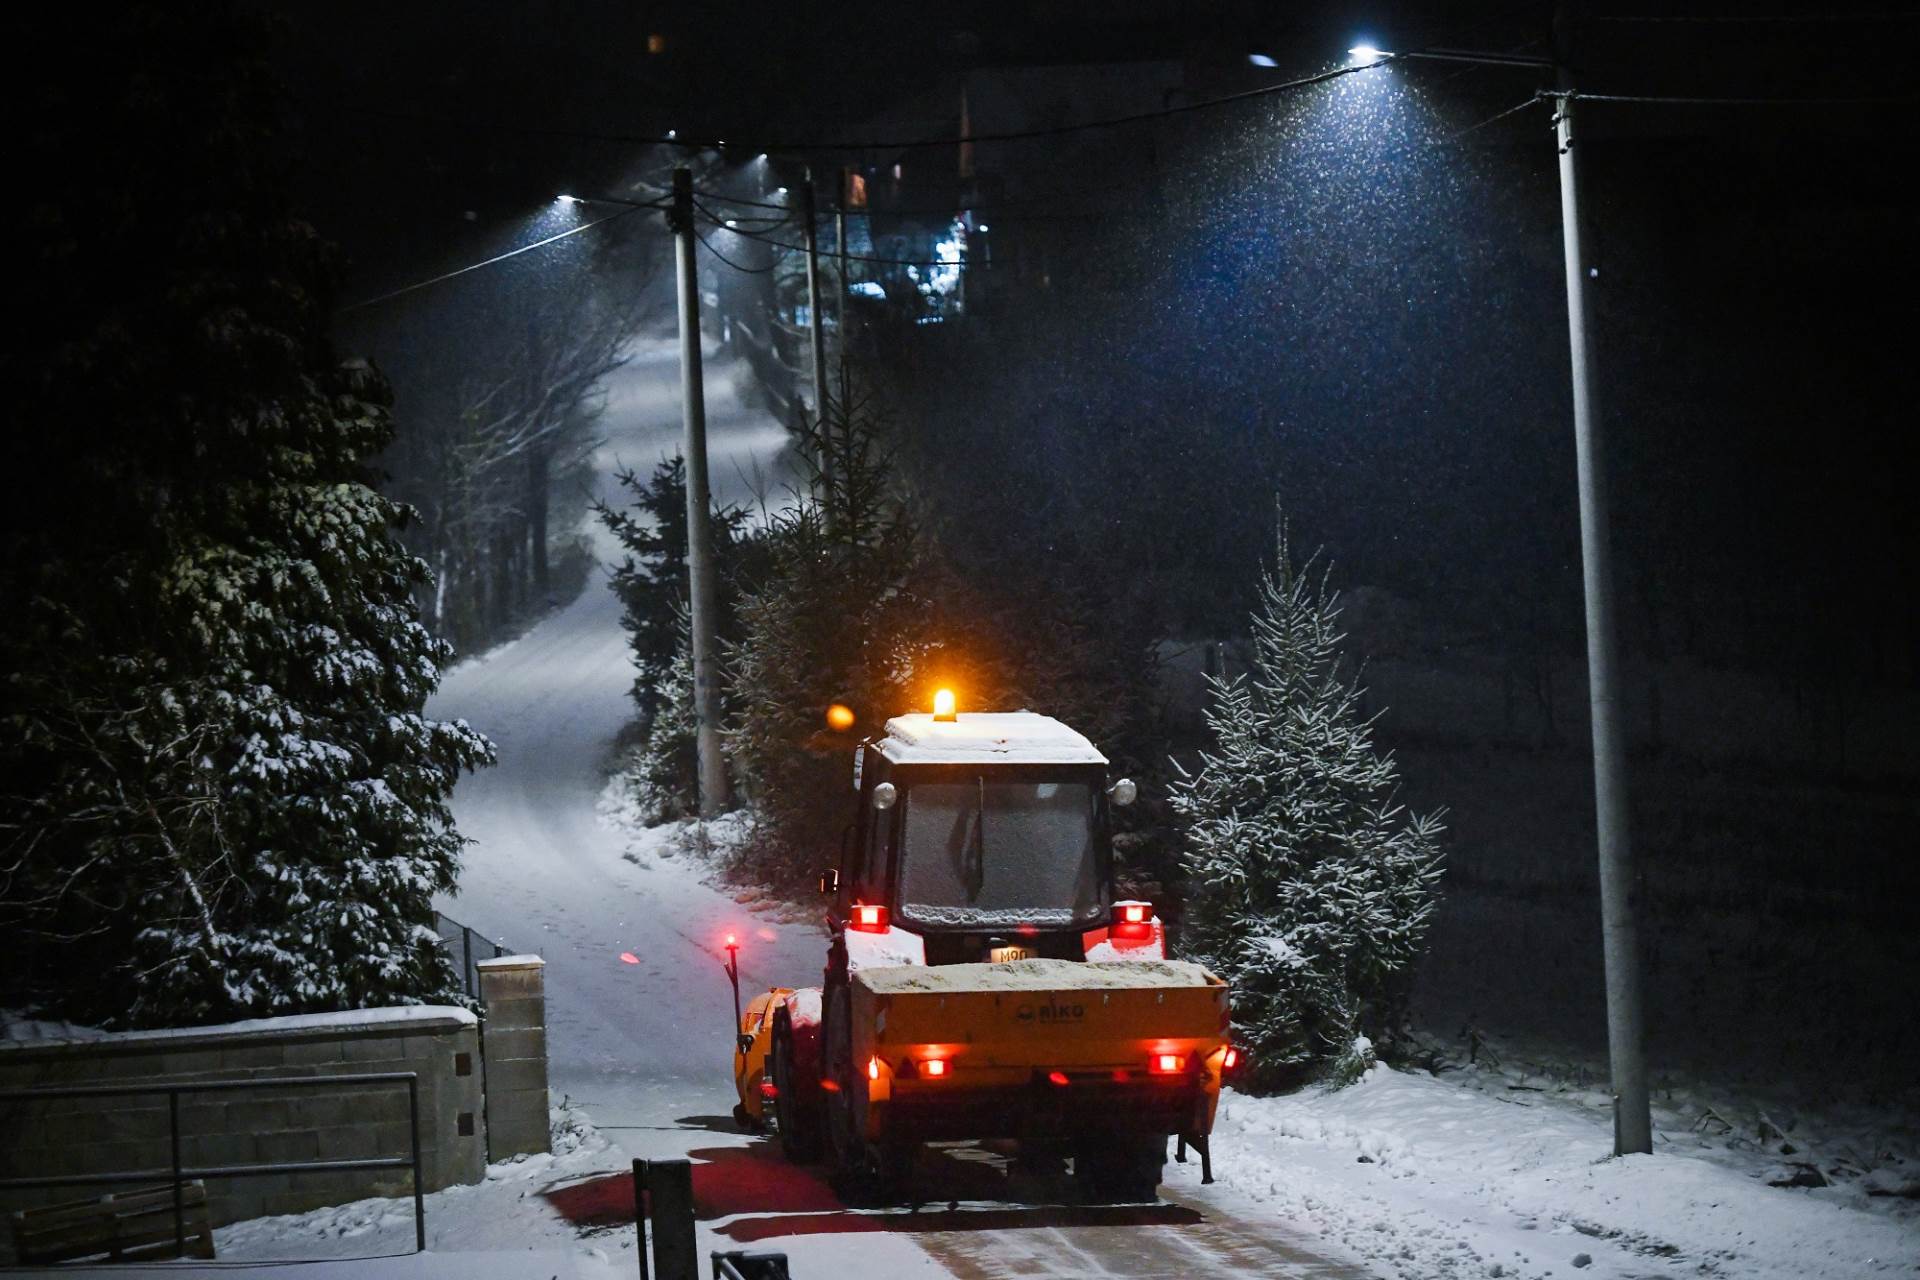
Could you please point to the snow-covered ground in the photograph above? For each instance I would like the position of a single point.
(1474, 1176)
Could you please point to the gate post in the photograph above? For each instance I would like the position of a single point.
(514, 1047)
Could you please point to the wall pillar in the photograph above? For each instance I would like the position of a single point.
(514, 1040)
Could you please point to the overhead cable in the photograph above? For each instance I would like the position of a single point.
(475, 266)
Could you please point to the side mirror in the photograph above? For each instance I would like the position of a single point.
(830, 880)
(1123, 792)
(884, 795)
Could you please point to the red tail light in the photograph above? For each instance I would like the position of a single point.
(1167, 1064)
(1134, 912)
(933, 1068)
(768, 1089)
(873, 1068)
(868, 919)
(1132, 919)
(1058, 1078)
(1231, 1060)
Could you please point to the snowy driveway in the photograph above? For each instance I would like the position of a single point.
(642, 1045)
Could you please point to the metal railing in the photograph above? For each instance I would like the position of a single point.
(461, 942)
(741, 1265)
(180, 1175)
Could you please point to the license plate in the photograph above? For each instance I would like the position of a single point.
(1006, 955)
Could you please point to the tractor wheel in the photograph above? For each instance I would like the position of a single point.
(863, 1175)
(1123, 1168)
(845, 1147)
(797, 1115)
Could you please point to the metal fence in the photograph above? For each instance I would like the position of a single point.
(179, 1175)
(461, 941)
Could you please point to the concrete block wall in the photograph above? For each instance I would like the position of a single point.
(65, 1136)
(513, 988)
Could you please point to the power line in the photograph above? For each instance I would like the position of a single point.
(744, 270)
(1515, 109)
(1750, 19)
(905, 144)
(501, 257)
(1678, 100)
(800, 248)
(999, 211)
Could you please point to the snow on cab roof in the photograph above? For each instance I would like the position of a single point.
(985, 737)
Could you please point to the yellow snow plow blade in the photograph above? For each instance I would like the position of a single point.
(981, 1050)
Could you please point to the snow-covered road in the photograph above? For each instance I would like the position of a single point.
(643, 1047)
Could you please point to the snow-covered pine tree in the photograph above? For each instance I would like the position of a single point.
(221, 796)
(1310, 887)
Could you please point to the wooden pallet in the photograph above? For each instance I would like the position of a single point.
(127, 1226)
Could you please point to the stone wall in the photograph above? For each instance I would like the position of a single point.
(236, 1127)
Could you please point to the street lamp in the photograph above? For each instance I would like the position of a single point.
(1626, 1032)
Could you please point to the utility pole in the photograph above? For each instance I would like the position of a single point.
(700, 572)
(813, 311)
(1620, 934)
(840, 250)
(1619, 930)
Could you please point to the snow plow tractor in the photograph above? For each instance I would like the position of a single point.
(982, 982)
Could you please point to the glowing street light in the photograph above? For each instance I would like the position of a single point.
(1626, 1032)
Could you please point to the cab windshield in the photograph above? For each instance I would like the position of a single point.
(988, 853)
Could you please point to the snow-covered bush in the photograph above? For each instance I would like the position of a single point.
(1310, 888)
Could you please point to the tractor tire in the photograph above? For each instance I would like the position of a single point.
(845, 1147)
(1122, 1169)
(865, 1176)
(796, 1113)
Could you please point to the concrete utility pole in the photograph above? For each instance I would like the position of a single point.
(700, 571)
(1626, 1029)
(1620, 934)
(840, 250)
(813, 301)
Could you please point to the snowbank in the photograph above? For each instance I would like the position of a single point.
(1425, 1178)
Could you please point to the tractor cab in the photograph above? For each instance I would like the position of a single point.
(977, 838)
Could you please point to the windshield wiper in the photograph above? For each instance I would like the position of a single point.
(976, 864)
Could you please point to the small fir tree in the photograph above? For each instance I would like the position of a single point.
(1311, 888)
(651, 578)
(663, 767)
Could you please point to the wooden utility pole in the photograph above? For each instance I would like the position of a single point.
(700, 568)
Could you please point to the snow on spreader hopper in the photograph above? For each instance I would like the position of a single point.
(982, 982)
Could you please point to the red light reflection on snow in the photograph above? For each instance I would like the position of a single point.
(627, 957)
